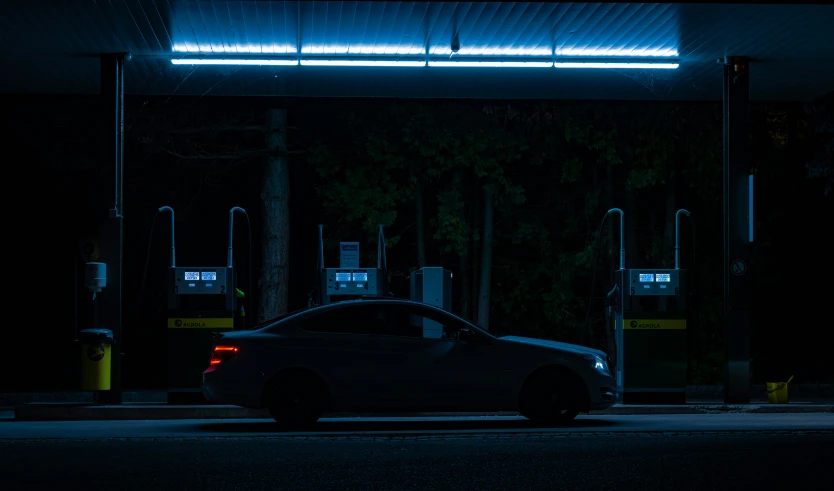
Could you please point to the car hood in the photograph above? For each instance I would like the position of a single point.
(543, 343)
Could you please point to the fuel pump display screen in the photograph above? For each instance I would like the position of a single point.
(360, 276)
(647, 278)
(209, 276)
(342, 276)
(663, 277)
(191, 276)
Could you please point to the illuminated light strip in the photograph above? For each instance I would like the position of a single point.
(379, 63)
(492, 64)
(666, 66)
(418, 49)
(619, 53)
(212, 61)
(363, 50)
(414, 63)
(446, 50)
(246, 49)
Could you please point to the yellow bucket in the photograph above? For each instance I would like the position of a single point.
(777, 392)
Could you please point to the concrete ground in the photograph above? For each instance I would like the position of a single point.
(698, 452)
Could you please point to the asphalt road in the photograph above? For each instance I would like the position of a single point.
(702, 452)
(594, 461)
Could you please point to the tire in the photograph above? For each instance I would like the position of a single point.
(552, 397)
(295, 400)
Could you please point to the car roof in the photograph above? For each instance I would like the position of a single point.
(368, 300)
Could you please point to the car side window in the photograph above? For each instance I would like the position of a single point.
(401, 323)
(423, 323)
(352, 319)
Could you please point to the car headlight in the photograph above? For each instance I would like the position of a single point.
(599, 364)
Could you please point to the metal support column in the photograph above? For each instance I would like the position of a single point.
(738, 231)
(111, 234)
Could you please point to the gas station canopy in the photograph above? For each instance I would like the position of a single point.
(553, 50)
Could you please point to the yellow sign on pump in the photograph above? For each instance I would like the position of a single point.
(201, 323)
(655, 324)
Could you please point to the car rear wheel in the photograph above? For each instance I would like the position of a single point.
(552, 397)
(295, 400)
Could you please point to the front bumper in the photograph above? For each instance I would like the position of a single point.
(602, 392)
(607, 398)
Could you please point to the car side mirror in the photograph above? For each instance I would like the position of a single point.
(467, 335)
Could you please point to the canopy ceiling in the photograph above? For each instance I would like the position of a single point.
(52, 46)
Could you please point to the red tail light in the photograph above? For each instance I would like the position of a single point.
(221, 353)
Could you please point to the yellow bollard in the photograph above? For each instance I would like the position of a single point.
(777, 392)
(95, 358)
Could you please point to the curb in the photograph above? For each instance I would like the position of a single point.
(704, 394)
(425, 436)
(717, 409)
(85, 412)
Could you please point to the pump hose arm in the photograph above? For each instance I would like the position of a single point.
(382, 260)
(141, 294)
(612, 302)
(314, 298)
(230, 258)
(696, 273)
(586, 328)
(250, 293)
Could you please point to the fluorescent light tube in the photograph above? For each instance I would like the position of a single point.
(492, 64)
(619, 53)
(641, 66)
(214, 61)
(379, 63)
(415, 63)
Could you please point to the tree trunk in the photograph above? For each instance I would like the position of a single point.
(612, 246)
(464, 272)
(275, 195)
(486, 259)
(474, 254)
(632, 252)
(418, 212)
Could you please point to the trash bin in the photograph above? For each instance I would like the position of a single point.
(95, 358)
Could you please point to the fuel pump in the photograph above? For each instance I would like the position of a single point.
(349, 281)
(202, 301)
(651, 356)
